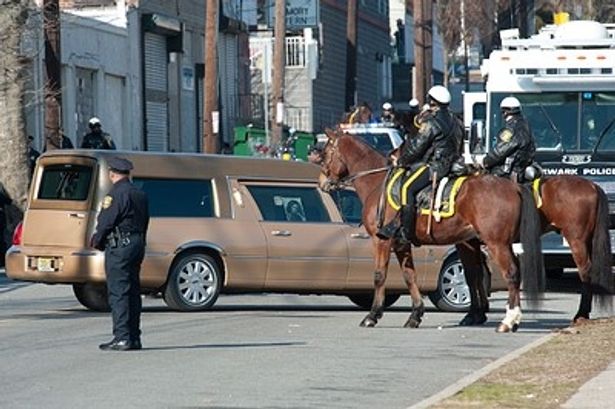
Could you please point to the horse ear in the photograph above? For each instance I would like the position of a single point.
(331, 134)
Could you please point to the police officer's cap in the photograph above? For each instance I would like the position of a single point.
(120, 165)
(511, 104)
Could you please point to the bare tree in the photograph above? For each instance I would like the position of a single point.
(13, 163)
(448, 17)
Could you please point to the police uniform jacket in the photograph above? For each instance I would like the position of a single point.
(515, 141)
(125, 207)
(97, 140)
(437, 144)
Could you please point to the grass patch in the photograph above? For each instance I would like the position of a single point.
(546, 376)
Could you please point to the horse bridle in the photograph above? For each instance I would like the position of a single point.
(345, 181)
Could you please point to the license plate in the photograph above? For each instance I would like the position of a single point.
(45, 264)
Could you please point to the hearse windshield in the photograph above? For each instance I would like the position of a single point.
(566, 121)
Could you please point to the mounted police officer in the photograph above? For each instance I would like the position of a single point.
(429, 155)
(514, 152)
(96, 138)
(120, 232)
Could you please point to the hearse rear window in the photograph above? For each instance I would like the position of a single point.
(65, 182)
(289, 204)
(177, 197)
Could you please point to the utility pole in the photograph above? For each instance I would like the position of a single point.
(351, 54)
(279, 52)
(53, 66)
(423, 48)
(465, 37)
(211, 115)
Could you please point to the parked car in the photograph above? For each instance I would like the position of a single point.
(219, 224)
(384, 138)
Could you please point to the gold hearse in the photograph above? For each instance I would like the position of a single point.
(219, 224)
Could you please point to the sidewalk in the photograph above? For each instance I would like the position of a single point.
(597, 393)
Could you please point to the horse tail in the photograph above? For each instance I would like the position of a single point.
(531, 262)
(602, 279)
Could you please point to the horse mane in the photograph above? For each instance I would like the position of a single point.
(368, 157)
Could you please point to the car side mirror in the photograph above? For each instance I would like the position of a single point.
(477, 137)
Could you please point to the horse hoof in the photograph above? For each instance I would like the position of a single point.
(368, 323)
(473, 319)
(515, 327)
(502, 328)
(580, 321)
(412, 323)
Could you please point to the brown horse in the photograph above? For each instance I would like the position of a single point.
(489, 209)
(578, 208)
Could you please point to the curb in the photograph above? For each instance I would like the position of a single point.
(475, 376)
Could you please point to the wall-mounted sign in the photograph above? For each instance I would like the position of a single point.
(300, 14)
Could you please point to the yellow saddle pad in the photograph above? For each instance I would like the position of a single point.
(536, 191)
(400, 180)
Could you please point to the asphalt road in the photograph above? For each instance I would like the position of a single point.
(251, 351)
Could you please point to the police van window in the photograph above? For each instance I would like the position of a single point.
(379, 141)
(289, 204)
(349, 205)
(65, 182)
(189, 198)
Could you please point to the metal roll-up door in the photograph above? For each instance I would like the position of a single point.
(156, 92)
(228, 83)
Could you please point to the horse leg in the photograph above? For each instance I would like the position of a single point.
(508, 265)
(472, 261)
(382, 256)
(409, 273)
(580, 254)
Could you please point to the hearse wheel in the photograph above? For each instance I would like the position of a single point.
(92, 296)
(365, 300)
(453, 293)
(194, 283)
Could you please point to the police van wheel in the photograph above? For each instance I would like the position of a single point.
(194, 283)
(92, 296)
(365, 300)
(453, 293)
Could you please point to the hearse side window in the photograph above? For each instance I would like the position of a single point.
(177, 197)
(349, 205)
(65, 182)
(294, 204)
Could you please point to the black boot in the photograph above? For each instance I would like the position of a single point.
(408, 220)
(389, 230)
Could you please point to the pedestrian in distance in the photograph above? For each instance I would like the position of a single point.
(96, 138)
(120, 232)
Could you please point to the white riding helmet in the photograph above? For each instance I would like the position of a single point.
(94, 121)
(387, 106)
(439, 94)
(511, 104)
(414, 103)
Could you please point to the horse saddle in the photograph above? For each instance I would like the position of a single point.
(536, 191)
(444, 198)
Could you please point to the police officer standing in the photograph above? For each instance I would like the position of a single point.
(430, 154)
(96, 138)
(515, 147)
(120, 232)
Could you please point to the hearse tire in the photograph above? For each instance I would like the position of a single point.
(452, 294)
(365, 301)
(194, 283)
(92, 296)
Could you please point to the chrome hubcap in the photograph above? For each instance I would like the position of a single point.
(196, 282)
(454, 287)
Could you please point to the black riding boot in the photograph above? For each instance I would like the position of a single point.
(408, 221)
(389, 230)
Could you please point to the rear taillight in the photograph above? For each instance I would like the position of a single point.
(17, 234)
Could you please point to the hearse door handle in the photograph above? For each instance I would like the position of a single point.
(282, 233)
(77, 215)
(359, 236)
